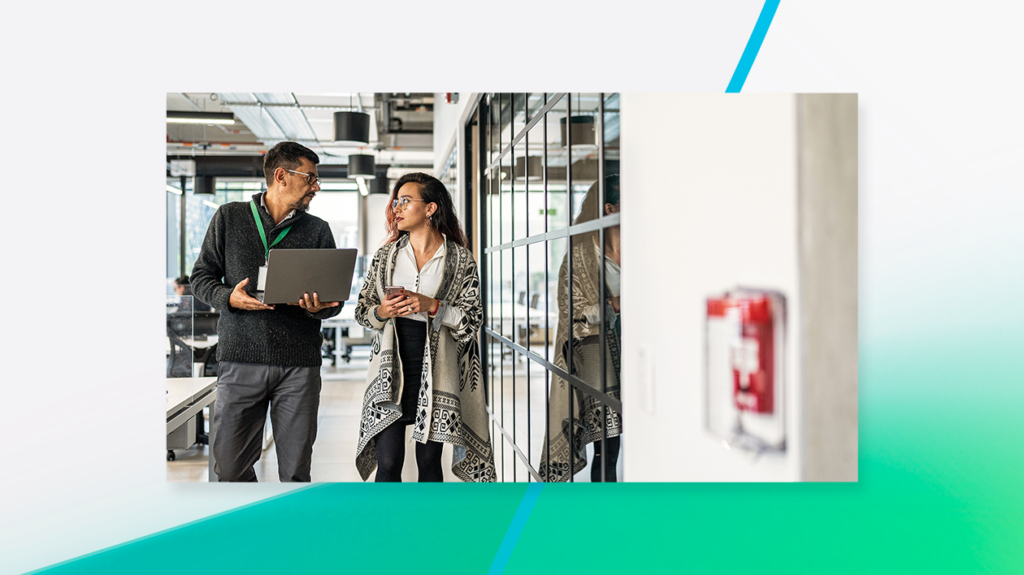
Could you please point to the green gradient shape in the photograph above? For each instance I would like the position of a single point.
(329, 528)
(940, 471)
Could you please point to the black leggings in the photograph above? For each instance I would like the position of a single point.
(391, 456)
(610, 462)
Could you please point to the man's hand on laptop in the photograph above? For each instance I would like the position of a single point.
(313, 305)
(241, 300)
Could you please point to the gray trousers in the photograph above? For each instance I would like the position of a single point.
(244, 390)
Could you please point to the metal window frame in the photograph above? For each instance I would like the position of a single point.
(488, 336)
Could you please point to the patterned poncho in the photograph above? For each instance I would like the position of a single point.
(451, 407)
(587, 411)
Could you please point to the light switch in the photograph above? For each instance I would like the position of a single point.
(645, 378)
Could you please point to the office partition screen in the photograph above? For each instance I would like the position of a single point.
(547, 201)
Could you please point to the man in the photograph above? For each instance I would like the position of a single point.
(267, 354)
(184, 291)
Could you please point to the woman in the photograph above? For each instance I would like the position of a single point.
(424, 362)
(587, 299)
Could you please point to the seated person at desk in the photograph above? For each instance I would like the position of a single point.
(268, 355)
(182, 288)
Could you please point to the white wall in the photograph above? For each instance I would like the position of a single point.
(376, 204)
(709, 195)
(339, 210)
(448, 124)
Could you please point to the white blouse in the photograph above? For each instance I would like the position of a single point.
(425, 281)
(612, 277)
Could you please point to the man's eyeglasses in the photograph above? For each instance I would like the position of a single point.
(310, 178)
(403, 202)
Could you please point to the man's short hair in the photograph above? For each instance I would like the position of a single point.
(181, 281)
(287, 155)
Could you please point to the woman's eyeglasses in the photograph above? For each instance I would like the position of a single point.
(403, 202)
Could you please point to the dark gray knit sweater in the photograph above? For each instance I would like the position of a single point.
(232, 251)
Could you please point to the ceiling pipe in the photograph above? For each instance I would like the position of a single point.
(284, 135)
(190, 101)
(308, 125)
(357, 108)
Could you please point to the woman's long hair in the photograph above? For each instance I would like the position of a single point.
(431, 191)
(591, 210)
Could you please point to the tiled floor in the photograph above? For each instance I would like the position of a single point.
(338, 429)
(341, 400)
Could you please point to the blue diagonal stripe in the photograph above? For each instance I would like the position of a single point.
(515, 529)
(739, 76)
(764, 21)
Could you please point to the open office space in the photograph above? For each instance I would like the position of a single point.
(711, 334)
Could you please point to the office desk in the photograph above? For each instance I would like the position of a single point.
(187, 396)
(519, 321)
(210, 341)
(207, 343)
(346, 319)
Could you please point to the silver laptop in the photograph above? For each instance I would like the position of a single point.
(291, 273)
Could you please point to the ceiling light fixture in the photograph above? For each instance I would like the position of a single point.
(200, 118)
(363, 190)
(582, 129)
(534, 165)
(204, 185)
(362, 165)
(352, 128)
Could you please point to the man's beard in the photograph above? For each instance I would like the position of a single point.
(302, 205)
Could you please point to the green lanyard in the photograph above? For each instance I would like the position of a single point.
(263, 234)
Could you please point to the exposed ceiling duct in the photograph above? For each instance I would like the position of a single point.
(273, 123)
(264, 119)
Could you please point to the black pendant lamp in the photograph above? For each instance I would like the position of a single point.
(204, 185)
(582, 129)
(534, 165)
(352, 128)
(362, 166)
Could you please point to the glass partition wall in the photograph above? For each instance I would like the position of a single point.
(546, 196)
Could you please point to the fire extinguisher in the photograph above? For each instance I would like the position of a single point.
(745, 373)
(753, 356)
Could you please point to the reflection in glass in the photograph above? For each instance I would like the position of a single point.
(507, 410)
(606, 452)
(518, 115)
(539, 378)
(179, 336)
(505, 119)
(583, 151)
(534, 102)
(493, 207)
(493, 128)
(612, 260)
(611, 134)
(518, 206)
(555, 167)
(540, 315)
(520, 288)
(577, 343)
(507, 295)
(449, 177)
(531, 157)
(505, 183)
(493, 376)
(493, 290)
